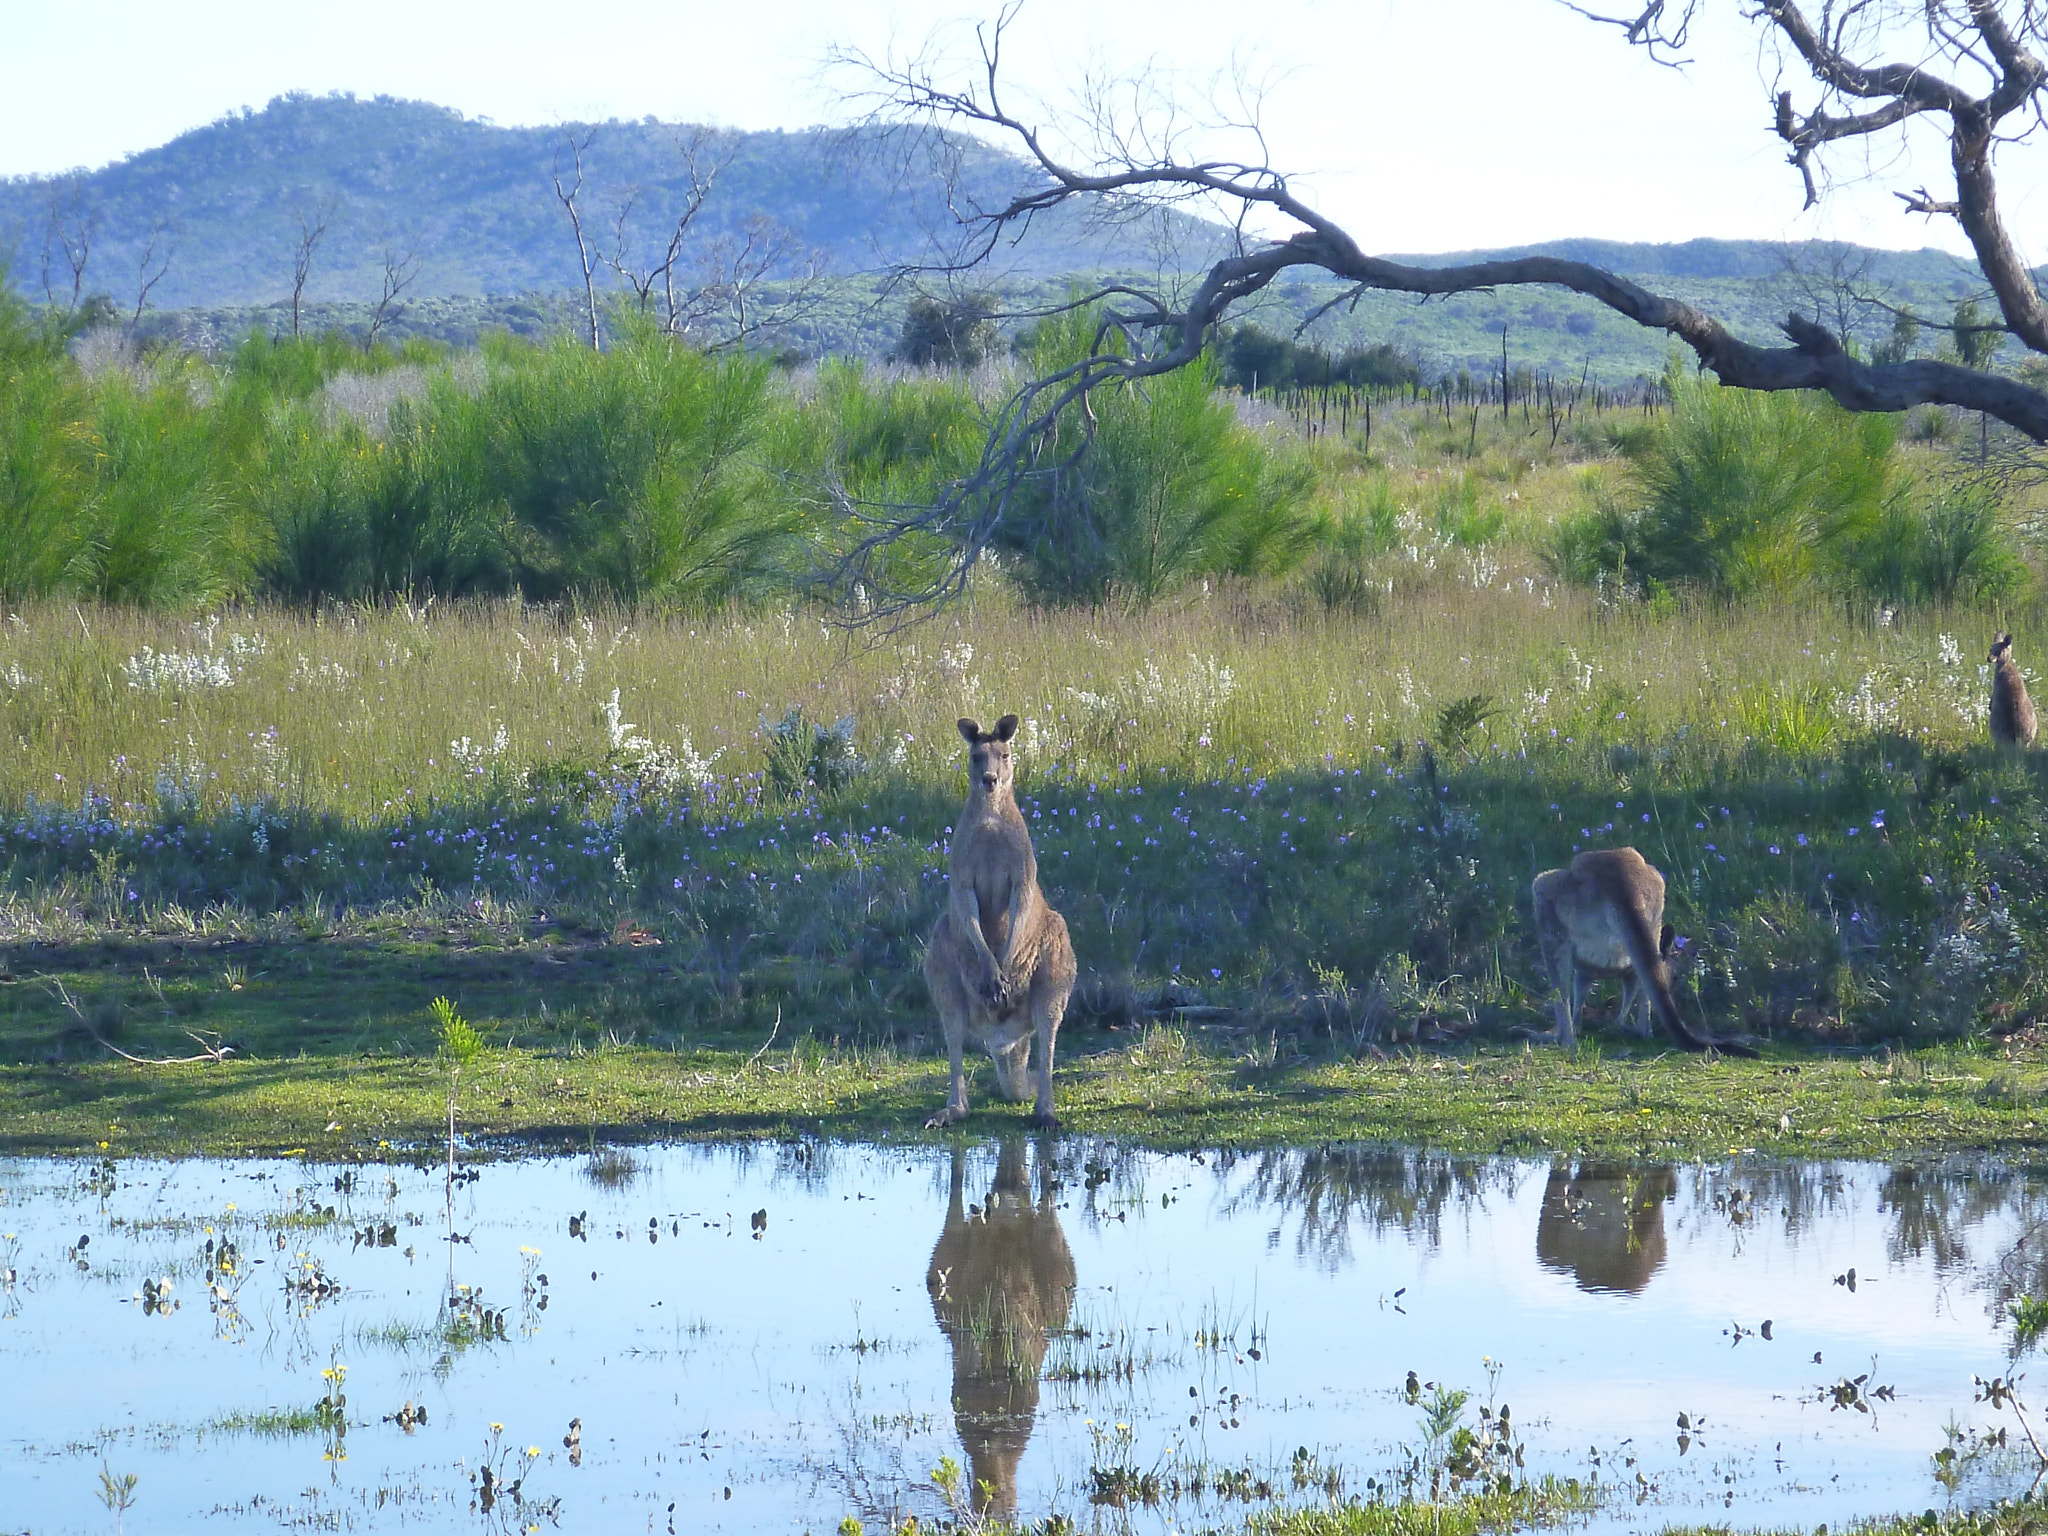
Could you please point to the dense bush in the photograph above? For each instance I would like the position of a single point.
(1169, 489)
(1738, 493)
(949, 333)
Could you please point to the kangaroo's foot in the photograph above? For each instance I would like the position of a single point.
(1045, 1120)
(1539, 1036)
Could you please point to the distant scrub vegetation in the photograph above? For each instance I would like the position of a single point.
(1740, 494)
(651, 474)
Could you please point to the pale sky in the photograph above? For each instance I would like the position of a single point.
(1421, 125)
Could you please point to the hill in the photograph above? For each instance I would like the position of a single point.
(475, 204)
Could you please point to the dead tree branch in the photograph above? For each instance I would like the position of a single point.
(70, 226)
(210, 1045)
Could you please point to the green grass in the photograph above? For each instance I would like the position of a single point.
(1268, 877)
(265, 1423)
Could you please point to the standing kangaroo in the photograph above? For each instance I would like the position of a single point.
(2012, 712)
(1000, 965)
(1601, 917)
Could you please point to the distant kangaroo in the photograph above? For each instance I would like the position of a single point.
(1000, 965)
(2012, 712)
(1601, 917)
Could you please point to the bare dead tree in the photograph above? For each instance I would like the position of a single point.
(150, 267)
(567, 197)
(703, 153)
(70, 226)
(764, 279)
(738, 286)
(704, 157)
(401, 266)
(1133, 158)
(313, 224)
(641, 283)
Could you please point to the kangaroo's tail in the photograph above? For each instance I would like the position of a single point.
(1645, 954)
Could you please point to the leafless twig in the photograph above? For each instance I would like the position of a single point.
(210, 1046)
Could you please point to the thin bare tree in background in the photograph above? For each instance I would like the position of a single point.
(150, 267)
(313, 224)
(762, 278)
(70, 226)
(1129, 147)
(703, 153)
(567, 197)
(401, 266)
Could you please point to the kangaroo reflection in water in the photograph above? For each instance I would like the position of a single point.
(1001, 1278)
(1604, 1225)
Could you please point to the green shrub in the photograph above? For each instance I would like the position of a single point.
(1742, 493)
(631, 475)
(1787, 957)
(1360, 527)
(1940, 545)
(1168, 490)
(803, 754)
(38, 468)
(153, 522)
(949, 333)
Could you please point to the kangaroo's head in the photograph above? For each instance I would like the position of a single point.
(990, 768)
(1999, 647)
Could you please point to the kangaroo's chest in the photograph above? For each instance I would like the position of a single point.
(994, 859)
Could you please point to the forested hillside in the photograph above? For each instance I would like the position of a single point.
(466, 213)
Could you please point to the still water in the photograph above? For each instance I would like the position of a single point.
(773, 1338)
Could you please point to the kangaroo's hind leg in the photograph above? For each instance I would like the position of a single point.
(942, 977)
(1052, 983)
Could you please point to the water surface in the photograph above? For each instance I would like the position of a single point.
(775, 1337)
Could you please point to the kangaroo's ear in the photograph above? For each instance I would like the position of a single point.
(1666, 939)
(970, 730)
(1005, 728)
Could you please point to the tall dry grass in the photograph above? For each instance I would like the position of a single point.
(354, 710)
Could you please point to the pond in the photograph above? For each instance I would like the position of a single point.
(775, 1337)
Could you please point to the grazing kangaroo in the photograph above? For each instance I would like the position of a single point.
(1000, 965)
(2012, 712)
(1600, 917)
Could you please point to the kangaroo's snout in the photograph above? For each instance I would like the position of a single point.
(988, 781)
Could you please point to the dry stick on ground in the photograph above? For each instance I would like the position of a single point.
(1143, 160)
(772, 1033)
(210, 1046)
